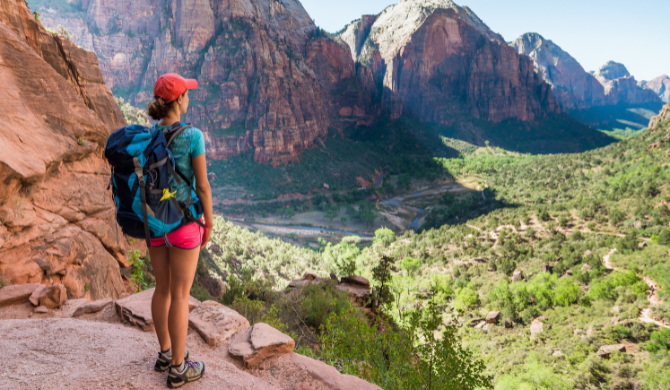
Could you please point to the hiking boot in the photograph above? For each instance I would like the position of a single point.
(163, 362)
(192, 372)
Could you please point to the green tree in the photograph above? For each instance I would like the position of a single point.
(382, 274)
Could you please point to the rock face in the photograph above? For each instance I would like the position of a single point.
(256, 93)
(216, 323)
(573, 87)
(259, 343)
(271, 84)
(660, 85)
(621, 87)
(435, 60)
(58, 219)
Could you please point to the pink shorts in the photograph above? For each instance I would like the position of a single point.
(186, 237)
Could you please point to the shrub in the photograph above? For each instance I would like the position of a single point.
(465, 299)
(606, 288)
(411, 265)
(664, 237)
(659, 340)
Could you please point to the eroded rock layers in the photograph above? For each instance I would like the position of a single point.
(57, 222)
(273, 84)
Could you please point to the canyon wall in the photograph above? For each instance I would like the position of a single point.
(439, 62)
(57, 221)
(257, 91)
(271, 83)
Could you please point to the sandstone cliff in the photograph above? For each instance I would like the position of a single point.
(573, 87)
(621, 87)
(660, 85)
(259, 69)
(437, 61)
(57, 220)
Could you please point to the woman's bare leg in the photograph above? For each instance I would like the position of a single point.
(160, 304)
(183, 264)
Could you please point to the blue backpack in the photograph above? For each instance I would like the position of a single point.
(142, 166)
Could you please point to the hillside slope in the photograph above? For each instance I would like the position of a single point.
(544, 253)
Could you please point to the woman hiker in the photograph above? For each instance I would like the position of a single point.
(174, 264)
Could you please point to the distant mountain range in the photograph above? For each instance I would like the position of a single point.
(271, 81)
(660, 85)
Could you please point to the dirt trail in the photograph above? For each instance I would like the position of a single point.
(645, 315)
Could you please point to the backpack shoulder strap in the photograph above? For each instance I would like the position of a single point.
(175, 130)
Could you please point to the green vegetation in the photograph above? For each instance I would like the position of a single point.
(132, 114)
(551, 217)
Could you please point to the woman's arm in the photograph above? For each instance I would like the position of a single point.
(204, 192)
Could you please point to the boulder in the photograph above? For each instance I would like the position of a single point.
(509, 323)
(356, 281)
(517, 276)
(586, 268)
(35, 296)
(536, 327)
(53, 297)
(136, 309)
(17, 293)
(355, 291)
(216, 323)
(493, 317)
(557, 354)
(477, 321)
(642, 245)
(605, 350)
(259, 343)
(306, 279)
(547, 268)
(92, 307)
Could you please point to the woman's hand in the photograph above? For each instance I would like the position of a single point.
(206, 236)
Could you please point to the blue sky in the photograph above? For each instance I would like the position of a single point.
(634, 33)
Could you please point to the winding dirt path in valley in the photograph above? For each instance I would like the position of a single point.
(654, 300)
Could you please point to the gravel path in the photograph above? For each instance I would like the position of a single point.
(64, 353)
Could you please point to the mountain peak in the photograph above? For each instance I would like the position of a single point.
(613, 70)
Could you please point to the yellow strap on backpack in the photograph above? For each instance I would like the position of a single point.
(167, 194)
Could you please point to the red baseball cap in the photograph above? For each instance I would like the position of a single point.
(170, 86)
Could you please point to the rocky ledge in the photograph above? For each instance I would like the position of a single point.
(77, 335)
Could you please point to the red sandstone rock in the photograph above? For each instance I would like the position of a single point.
(356, 280)
(215, 322)
(17, 293)
(307, 374)
(57, 115)
(35, 296)
(53, 297)
(92, 307)
(259, 343)
(442, 61)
